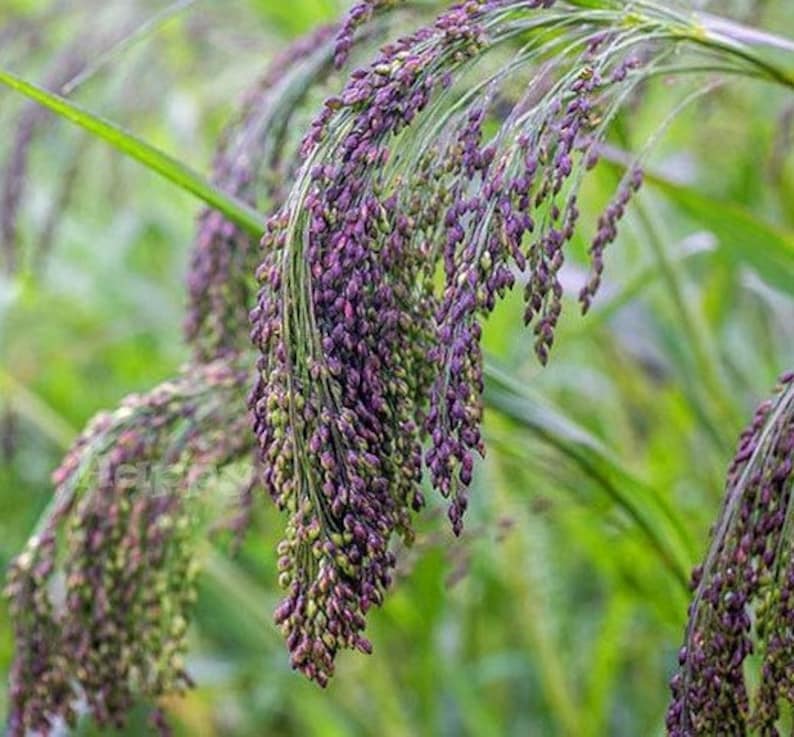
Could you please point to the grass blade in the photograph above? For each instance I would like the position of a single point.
(149, 26)
(744, 237)
(152, 158)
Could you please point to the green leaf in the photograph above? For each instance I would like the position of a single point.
(744, 237)
(152, 158)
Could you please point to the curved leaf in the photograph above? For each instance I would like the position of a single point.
(167, 166)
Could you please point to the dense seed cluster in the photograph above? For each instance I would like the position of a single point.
(343, 371)
(363, 356)
(744, 593)
(102, 594)
(516, 220)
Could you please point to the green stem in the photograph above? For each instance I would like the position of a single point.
(710, 31)
(711, 40)
(174, 171)
(740, 41)
(744, 34)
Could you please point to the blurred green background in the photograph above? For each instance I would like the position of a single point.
(553, 614)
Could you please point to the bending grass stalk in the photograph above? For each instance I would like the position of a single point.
(147, 27)
(744, 34)
(711, 31)
(710, 38)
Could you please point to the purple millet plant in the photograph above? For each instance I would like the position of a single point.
(443, 173)
(343, 364)
(363, 357)
(102, 594)
(744, 592)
